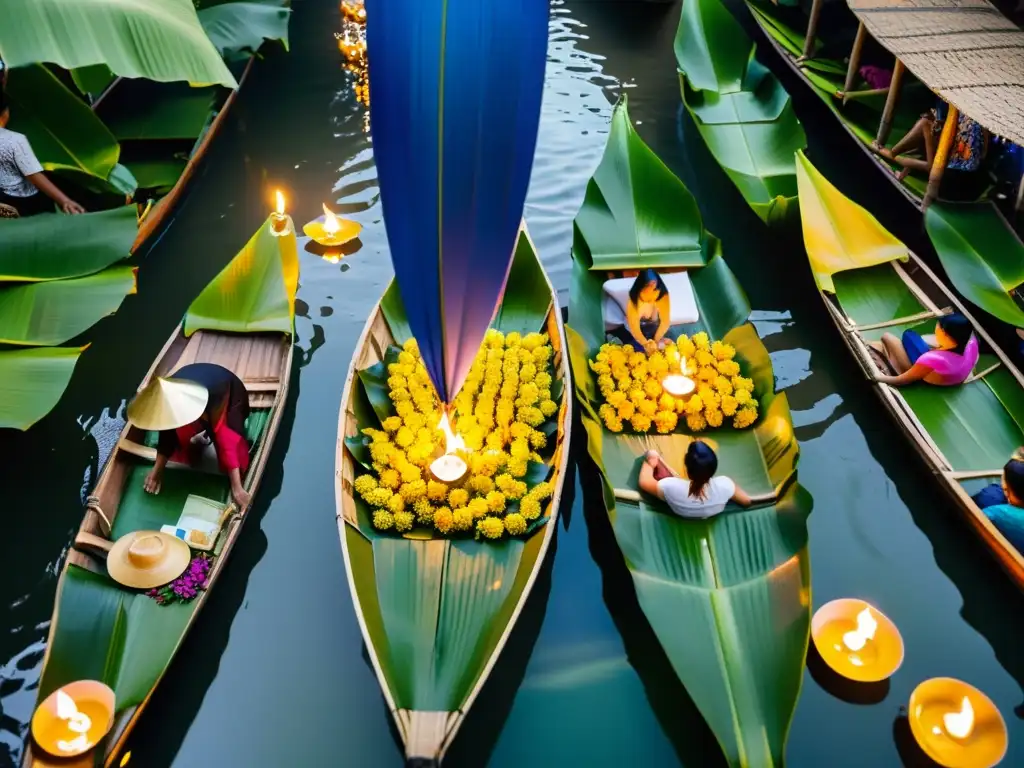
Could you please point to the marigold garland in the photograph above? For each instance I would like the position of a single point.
(499, 412)
(630, 384)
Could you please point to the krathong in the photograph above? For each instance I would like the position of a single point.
(332, 231)
(957, 725)
(187, 586)
(856, 640)
(500, 414)
(632, 385)
(74, 718)
(280, 222)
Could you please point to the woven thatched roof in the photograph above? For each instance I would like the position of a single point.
(964, 50)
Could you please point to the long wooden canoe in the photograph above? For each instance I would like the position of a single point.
(103, 631)
(727, 597)
(436, 612)
(872, 284)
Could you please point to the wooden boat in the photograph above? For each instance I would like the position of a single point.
(119, 636)
(742, 111)
(727, 597)
(436, 612)
(871, 284)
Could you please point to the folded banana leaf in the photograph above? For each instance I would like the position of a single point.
(982, 255)
(740, 108)
(32, 381)
(728, 597)
(239, 29)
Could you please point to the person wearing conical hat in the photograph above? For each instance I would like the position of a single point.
(202, 402)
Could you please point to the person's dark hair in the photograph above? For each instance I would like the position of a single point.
(1014, 474)
(701, 464)
(958, 329)
(642, 280)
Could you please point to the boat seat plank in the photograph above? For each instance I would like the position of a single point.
(250, 357)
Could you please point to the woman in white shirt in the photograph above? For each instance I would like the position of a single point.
(703, 495)
(23, 185)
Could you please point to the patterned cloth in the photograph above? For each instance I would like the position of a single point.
(17, 160)
(968, 144)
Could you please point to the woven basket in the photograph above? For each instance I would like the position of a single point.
(8, 211)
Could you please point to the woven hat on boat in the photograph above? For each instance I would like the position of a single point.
(147, 559)
(168, 403)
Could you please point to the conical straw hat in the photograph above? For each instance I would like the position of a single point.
(168, 404)
(147, 559)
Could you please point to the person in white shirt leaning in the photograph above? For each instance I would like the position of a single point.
(704, 494)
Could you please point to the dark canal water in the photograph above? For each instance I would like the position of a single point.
(275, 673)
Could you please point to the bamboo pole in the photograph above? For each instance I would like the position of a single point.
(851, 70)
(885, 126)
(941, 157)
(847, 95)
(812, 29)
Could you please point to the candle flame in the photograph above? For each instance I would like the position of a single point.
(331, 223)
(280, 202)
(452, 442)
(66, 708)
(77, 722)
(960, 724)
(866, 626)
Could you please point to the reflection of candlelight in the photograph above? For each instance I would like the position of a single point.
(866, 626)
(77, 722)
(449, 468)
(960, 724)
(280, 224)
(678, 385)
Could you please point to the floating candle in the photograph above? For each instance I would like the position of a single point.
(957, 725)
(332, 231)
(74, 718)
(856, 640)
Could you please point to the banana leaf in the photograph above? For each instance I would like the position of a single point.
(839, 235)
(31, 383)
(981, 254)
(634, 206)
(238, 29)
(255, 292)
(64, 132)
(94, 79)
(154, 39)
(144, 110)
(45, 314)
(741, 110)
(728, 598)
(54, 246)
(435, 609)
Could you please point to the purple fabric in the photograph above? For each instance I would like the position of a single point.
(951, 367)
(876, 77)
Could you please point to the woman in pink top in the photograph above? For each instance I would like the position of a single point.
(946, 362)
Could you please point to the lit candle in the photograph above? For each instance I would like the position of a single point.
(449, 468)
(856, 640)
(280, 222)
(960, 724)
(957, 725)
(678, 385)
(73, 719)
(332, 231)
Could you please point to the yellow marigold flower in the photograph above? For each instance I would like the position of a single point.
(490, 527)
(410, 473)
(701, 340)
(653, 388)
(626, 410)
(404, 358)
(542, 355)
(623, 378)
(707, 374)
(413, 491)
(648, 408)
(381, 453)
(404, 521)
(396, 503)
(613, 422)
(518, 467)
(723, 386)
(404, 437)
(529, 508)
(528, 394)
(494, 339)
(538, 440)
(605, 385)
(640, 372)
(392, 423)
(615, 399)
(657, 364)
(458, 497)
(397, 382)
(681, 404)
(723, 351)
(665, 421)
(729, 405)
(616, 354)
(740, 382)
(729, 368)
(530, 415)
(462, 519)
(495, 440)
(400, 395)
(685, 346)
(636, 395)
(542, 380)
(416, 422)
(411, 347)
(529, 371)
(744, 418)
(704, 358)
(424, 512)
(533, 340)
(513, 340)
(443, 519)
(694, 405)
(695, 422)
(542, 490)
(478, 507)
(390, 478)
(742, 396)
(666, 402)
(713, 416)
(519, 449)
(605, 410)
(364, 484)
(480, 484)
(640, 423)
(496, 501)
(548, 408)
(515, 524)
(519, 430)
(383, 520)
(378, 497)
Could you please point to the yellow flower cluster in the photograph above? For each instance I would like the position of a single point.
(630, 383)
(499, 411)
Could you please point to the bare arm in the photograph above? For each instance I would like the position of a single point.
(916, 373)
(633, 323)
(48, 188)
(647, 482)
(741, 497)
(664, 306)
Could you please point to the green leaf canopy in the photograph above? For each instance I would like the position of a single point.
(254, 292)
(155, 39)
(982, 255)
(741, 110)
(634, 205)
(31, 383)
(239, 28)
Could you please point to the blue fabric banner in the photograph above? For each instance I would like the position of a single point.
(455, 103)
